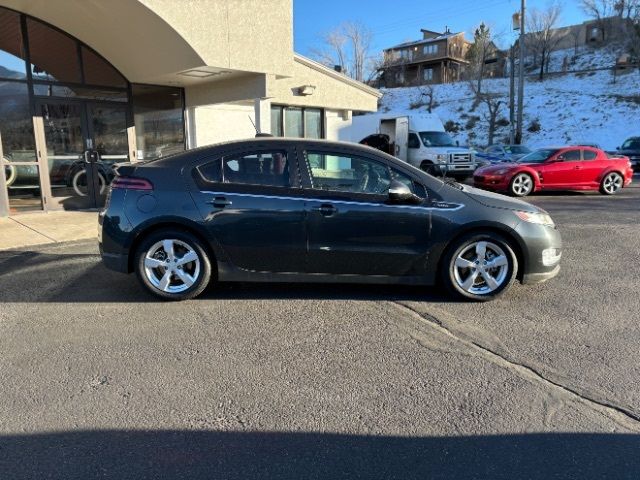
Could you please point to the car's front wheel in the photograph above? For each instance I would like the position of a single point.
(479, 266)
(521, 185)
(611, 184)
(173, 265)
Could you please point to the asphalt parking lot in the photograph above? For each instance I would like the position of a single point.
(100, 380)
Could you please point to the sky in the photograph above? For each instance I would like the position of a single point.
(397, 21)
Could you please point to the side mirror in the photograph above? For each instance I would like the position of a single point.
(400, 193)
(617, 148)
(457, 143)
(559, 158)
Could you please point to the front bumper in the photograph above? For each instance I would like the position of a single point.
(533, 278)
(498, 183)
(542, 251)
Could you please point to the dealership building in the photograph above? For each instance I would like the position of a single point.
(88, 83)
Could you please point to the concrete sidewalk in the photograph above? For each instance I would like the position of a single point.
(31, 229)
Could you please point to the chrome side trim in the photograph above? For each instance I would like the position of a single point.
(452, 207)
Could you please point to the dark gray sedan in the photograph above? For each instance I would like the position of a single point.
(282, 210)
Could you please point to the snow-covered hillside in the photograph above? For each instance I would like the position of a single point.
(584, 107)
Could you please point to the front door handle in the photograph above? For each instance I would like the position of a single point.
(220, 202)
(577, 167)
(326, 209)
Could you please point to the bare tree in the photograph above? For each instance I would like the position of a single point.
(627, 8)
(493, 104)
(543, 37)
(478, 54)
(348, 47)
(599, 10)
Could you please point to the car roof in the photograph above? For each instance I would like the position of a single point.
(179, 159)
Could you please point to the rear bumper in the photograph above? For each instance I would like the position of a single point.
(115, 261)
(533, 278)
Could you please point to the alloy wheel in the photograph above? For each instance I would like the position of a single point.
(522, 184)
(172, 265)
(481, 268)
(612, 183)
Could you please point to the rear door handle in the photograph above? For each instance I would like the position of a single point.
(220, 202)
(577, 167)
(326, 209)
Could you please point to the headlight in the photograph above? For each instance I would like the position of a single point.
(502, 171)
(441, 157)
(537, 218)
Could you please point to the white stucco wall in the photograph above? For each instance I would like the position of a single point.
(224, 122)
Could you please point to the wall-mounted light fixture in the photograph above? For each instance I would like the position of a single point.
(306, 90)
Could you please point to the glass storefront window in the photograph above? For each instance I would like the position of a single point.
(276, 121)
(298, 122)
(293, 126)
(159, 120)
(12, 63)
(16, 123)
(312, 123)
(50, 90)
(54, 55)
(98, 72)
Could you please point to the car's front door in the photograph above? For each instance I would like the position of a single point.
(352, 228)
(562, 170)
(252, 206)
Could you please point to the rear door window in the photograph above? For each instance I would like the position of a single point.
(571, 156)
(263, 168)
(589, 155)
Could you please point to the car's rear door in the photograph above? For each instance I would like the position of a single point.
(251, 204)
(593, 164)
(352, 228)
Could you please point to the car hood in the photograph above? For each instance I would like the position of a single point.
(495, 200)
(448, 149)
(493, 168)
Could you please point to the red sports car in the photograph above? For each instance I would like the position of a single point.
(563, 168)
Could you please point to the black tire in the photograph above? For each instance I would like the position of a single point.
(452, 280)
(611, 184)
(181, 291)
(514, 188)
(431, 169)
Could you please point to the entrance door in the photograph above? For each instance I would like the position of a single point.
(83, 141)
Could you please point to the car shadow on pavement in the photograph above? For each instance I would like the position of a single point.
(185, 454)
(28, 276)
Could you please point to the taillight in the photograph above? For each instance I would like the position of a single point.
(131, 183)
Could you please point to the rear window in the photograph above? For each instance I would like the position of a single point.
(266, 168)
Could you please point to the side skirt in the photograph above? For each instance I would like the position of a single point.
(230, 273)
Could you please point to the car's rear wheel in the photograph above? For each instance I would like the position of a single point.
(611, 184)
(173, 265)
(479, 266)
(521, 185)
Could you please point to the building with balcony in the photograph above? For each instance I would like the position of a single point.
(436, 58)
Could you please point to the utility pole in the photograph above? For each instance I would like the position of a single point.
(512, 82)
(518, 138)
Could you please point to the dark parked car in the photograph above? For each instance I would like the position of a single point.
(501, 153)
(287, 210)
(631, 149)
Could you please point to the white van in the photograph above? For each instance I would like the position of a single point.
(418, 139)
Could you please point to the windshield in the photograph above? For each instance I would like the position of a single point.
(631, 144)
(538, 156)
(518, 149)
(436, 139)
